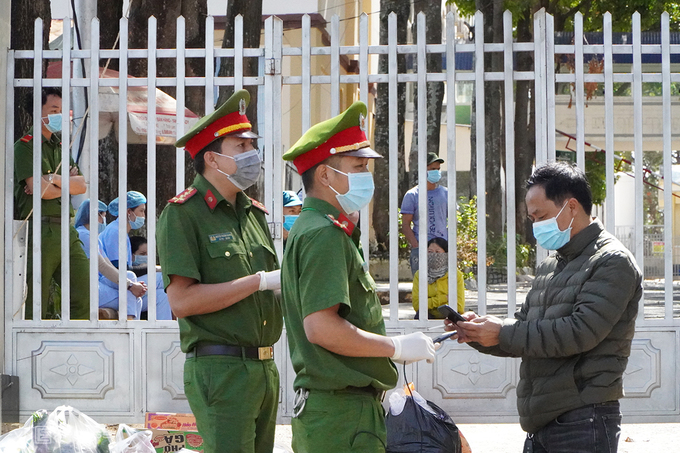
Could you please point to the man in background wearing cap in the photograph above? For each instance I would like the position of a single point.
(292, 206)
(333, 317)
(220, 270)
(437, 209)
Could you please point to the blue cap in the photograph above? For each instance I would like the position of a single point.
(134, 199)
(290, 198)
(83, 213)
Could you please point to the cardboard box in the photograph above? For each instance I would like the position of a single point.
(170, 421)
(164, 441)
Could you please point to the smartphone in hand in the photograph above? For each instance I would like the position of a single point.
(451, 314)
(444, 337)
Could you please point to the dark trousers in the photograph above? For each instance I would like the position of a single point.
(594, 428)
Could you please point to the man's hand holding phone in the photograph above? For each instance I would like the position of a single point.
(453, 317)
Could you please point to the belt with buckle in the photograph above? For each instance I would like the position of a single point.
(261, 353)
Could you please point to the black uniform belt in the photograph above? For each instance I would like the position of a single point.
(48, 219)
(369, 389)
(261, 353)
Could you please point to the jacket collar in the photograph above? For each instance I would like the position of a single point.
(578, 243)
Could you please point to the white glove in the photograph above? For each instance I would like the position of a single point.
(270, 280)
(413, 347)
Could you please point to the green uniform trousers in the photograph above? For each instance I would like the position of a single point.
(234, 401)
(340, 422)
(51, 269)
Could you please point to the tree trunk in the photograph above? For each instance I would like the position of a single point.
(525, 137)
(435, 90)
(494, 139)
(251, 11)
(381, 134)
(109, 13)
(166, 13)
(23, 16)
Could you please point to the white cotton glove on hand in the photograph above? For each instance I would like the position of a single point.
(413, 347)
(270, 280)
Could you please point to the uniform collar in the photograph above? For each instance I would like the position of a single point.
(54, 140)
(212, 197)
(580, 241)
(333, 214)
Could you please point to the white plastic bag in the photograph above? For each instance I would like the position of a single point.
(64, 429)
(398, 400)
(131, 440)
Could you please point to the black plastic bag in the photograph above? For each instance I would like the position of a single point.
(415, 430)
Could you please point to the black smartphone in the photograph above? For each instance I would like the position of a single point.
(446, 336)
(451, 314)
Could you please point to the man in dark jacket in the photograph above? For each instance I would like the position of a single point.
(575, 328)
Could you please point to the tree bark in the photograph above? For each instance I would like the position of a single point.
(435, 90)
(23, 16)
(251, 11)
(166, 13)
(494, 140)
(381, 134)
(525, 137)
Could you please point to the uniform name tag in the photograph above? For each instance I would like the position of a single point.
(220, 237)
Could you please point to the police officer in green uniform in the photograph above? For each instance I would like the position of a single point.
(220, 270)
(333, 317)
(50, 189)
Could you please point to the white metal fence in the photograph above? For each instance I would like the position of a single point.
(138, 364)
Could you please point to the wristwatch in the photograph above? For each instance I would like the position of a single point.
(50, 178)
(129, 282)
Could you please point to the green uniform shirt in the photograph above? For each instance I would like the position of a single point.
(202, 236)
(323, 266)
(23, 169)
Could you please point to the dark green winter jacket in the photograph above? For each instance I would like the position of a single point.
(575, 328)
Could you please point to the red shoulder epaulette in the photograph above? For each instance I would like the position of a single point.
(259, 205)
(27, 138)
(342, 222)
(183, 196)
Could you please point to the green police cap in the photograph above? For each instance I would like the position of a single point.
(343, 135)
(229, 119)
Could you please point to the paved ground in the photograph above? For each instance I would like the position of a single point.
(509, 438)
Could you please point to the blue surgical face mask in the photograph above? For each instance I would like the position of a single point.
(548, 234)
(360, 191)
(288, 221)
(434, 176)
(101, 227)
(53, 122)
(247, 168)
(137, 223)
(140, 260)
